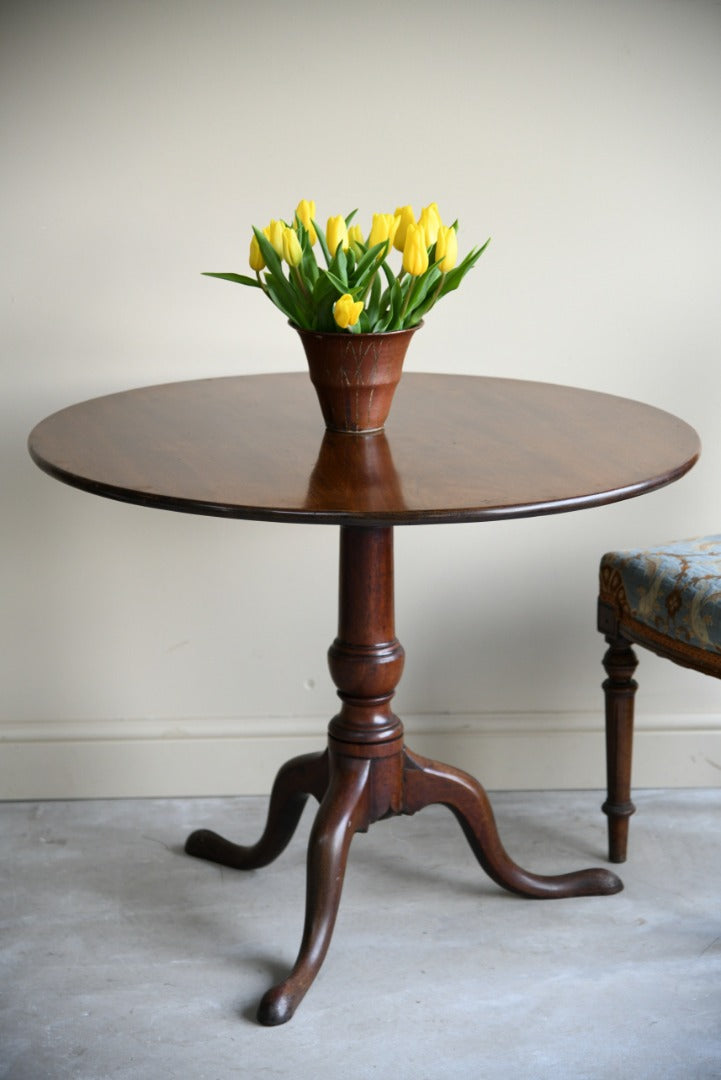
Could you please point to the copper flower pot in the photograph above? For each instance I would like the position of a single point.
(355, 376)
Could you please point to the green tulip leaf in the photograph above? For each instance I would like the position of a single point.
(288, 310)
(324, 289)
(338, 283)
(367, 264)
(390, 276)
(397, 299)
(309, 267)
(455, 276)
(282, 288)
(423, 286)
(427, 297)
(374, 301)
(239, 279)
(322, 241)
(339, 266)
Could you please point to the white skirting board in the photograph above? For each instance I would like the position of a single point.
(240, 756)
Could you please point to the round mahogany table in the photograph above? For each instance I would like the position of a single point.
(455, 449)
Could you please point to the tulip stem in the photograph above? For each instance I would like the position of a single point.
(299, 278)
(405, 302)
(436, 294)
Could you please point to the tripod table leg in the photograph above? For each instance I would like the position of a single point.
(296, 780)
(429, 782)
(342, 813)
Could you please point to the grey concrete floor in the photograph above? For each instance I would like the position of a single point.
(122, 958)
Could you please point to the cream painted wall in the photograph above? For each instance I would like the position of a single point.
(140, 649)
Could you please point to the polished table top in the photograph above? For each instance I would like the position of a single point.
(456, 448)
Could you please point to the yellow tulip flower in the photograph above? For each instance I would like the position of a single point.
(355, 235)
(447, 248)
(336, 232)
(407, 217)
(430, 219)
(383, 228)
(305, 211)
(346, 311)
(274, 234)
(292, 251)
(415, 254)
(256, 260)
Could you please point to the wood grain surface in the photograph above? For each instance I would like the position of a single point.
(456, 448)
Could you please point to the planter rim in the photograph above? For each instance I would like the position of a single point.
(344, 334)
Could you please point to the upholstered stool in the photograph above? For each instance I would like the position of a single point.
(668, 599)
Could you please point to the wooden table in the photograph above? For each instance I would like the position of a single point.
(456, 449)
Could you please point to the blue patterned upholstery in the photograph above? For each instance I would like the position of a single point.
(674, 589)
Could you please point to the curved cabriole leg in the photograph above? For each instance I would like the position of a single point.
(619, 690)
(343, 812)
(296, 780)
(429, 782)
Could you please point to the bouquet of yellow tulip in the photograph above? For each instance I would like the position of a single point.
(356, 290)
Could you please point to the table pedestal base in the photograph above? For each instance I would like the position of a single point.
(354, 791)
(367, 773)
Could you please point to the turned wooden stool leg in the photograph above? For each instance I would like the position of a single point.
(619, 689)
